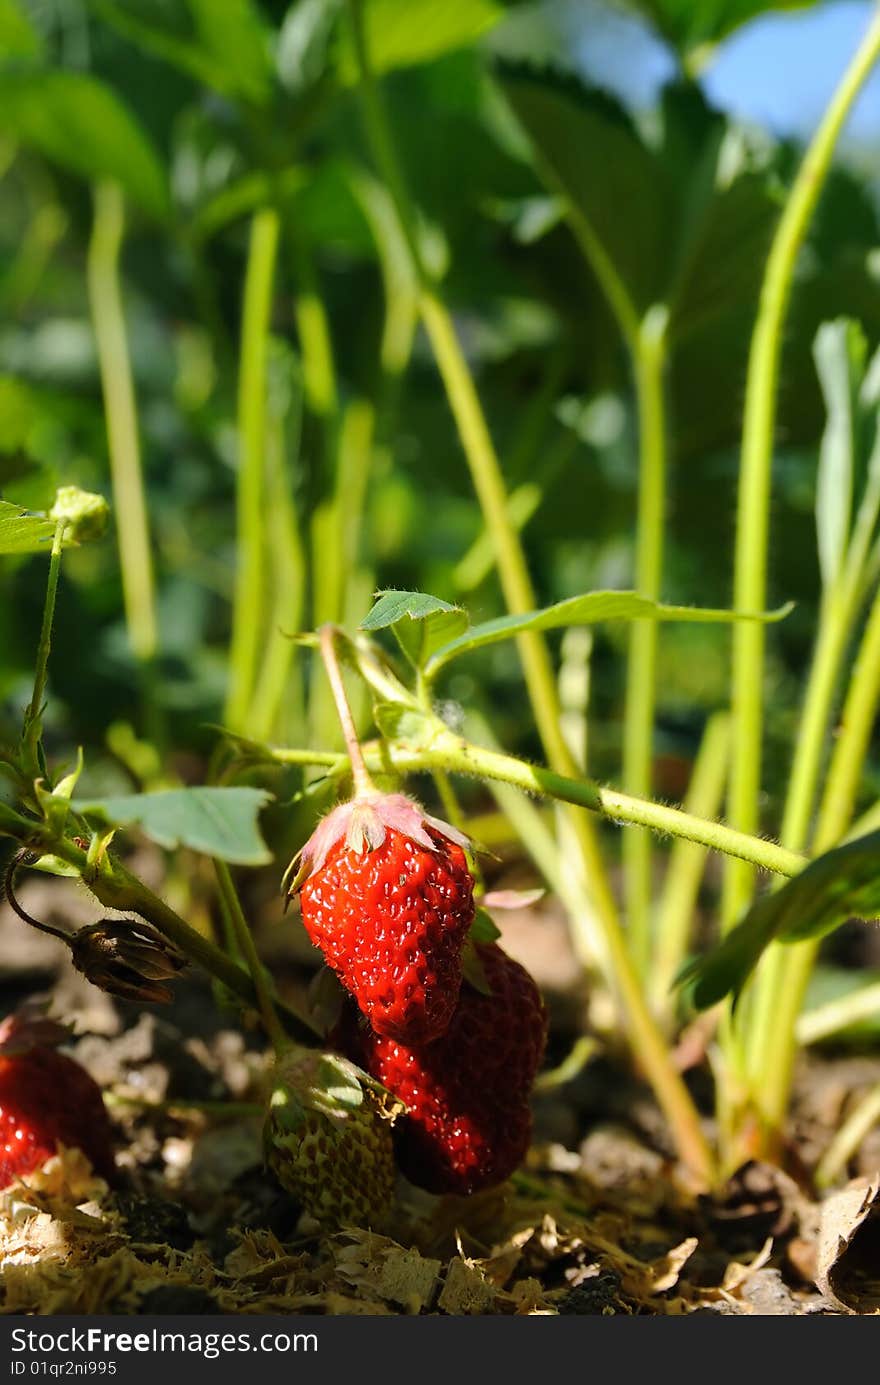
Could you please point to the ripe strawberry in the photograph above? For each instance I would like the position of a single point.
(468, 1120)
(388, 898)
(327, 1138)
(46, 1099)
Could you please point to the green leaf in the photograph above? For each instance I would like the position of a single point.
(588, 609)
(18, 39)
(223, 44)
(840, 351)
(420, 622)
(839, 885)
(80, 123)
(588, 150)
(417, 31)
(220, 822)
(305, 41)
(23, 533)
(689, 26)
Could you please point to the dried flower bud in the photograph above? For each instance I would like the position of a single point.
(127, 958)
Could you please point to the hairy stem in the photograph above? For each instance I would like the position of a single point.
(363, 784)
(33, 718)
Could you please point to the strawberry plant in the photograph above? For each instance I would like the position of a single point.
(398, 543)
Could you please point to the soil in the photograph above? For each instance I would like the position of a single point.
(600, 1221)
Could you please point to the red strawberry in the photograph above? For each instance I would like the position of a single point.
(46, 1099)
(388, 898)
(468, 1120)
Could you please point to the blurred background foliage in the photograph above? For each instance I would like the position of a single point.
(203, 111)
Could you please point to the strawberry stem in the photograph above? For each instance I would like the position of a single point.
(363, 784)
(19, 859)
(33, 717)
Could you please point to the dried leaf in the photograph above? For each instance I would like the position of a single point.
(466, 1290)
(849, 1237)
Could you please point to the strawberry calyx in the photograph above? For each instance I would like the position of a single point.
(363, 824)
(328, 1084)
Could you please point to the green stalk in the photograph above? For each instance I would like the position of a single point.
(839, 612)
(33, 718)
(245, 939)
(129, 500)
(836, 813)
(338, 533)
(458, 756)
(853, 738)
(363, 784)
(750, 579)
(315, 342)
(638, 733)
(516, 583)
(772, 980)
(835, 1015)
(248, 614)
(288, 610)
(687, 860)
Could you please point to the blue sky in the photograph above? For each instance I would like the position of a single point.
(779, 70)
(782, 68)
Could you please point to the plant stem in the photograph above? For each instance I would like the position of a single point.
(33, 718)
(853, 738)
(458, 756)
(836, 1015)
(245, 939)
(8, 893)
(248, 615)
(116, 887)
(838, 611)
(315, 343)
(859, 1123)
(363, 784)
(687, 860)
(750, 579)
(835, 815)
(288, 578)
(638, 735)
(129, 501)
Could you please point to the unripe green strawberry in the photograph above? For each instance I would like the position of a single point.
(327, 1138)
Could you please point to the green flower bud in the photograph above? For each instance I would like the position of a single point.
(86, 513)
